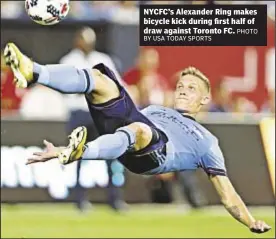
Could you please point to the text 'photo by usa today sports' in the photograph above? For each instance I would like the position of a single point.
(203, 25)
(137, 119)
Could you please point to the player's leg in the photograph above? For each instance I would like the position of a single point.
(63, 78)
(139, 147)
(133, 137)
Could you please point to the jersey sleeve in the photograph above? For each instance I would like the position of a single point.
(213, 161)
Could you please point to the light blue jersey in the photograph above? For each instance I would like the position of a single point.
(190, 145)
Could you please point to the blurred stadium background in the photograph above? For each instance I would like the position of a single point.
(51, 201)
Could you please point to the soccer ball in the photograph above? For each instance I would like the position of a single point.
(47, 12)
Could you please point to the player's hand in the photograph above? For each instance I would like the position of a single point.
(259, 227)
(50, 153)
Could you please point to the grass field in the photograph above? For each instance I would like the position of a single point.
(62, 220)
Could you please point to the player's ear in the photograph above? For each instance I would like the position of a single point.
(206, 99)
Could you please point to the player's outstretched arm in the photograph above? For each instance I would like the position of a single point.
(51, 152)
(235, 206)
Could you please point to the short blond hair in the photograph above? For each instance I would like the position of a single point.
(196, 72)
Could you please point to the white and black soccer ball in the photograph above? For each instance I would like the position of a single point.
(47, 12)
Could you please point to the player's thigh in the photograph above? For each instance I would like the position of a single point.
(104, 88)
(143, 134)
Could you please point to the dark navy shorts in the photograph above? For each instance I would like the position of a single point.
(120, 112)
(150, 157)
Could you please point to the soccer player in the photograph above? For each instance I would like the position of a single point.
(154, 141)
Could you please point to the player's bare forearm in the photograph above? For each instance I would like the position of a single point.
(232, 201)
(235, 205)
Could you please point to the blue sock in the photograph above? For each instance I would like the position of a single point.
(63, 78)
(109, 146)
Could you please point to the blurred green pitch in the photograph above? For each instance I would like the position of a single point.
(63, 220)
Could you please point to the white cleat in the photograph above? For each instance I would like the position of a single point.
(21, 65)
(74, 150)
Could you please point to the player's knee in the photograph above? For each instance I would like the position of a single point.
(104, 89)
(142, 134)
(102, 83)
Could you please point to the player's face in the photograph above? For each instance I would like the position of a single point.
(190, 94)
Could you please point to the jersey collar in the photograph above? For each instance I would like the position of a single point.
(182, 112)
